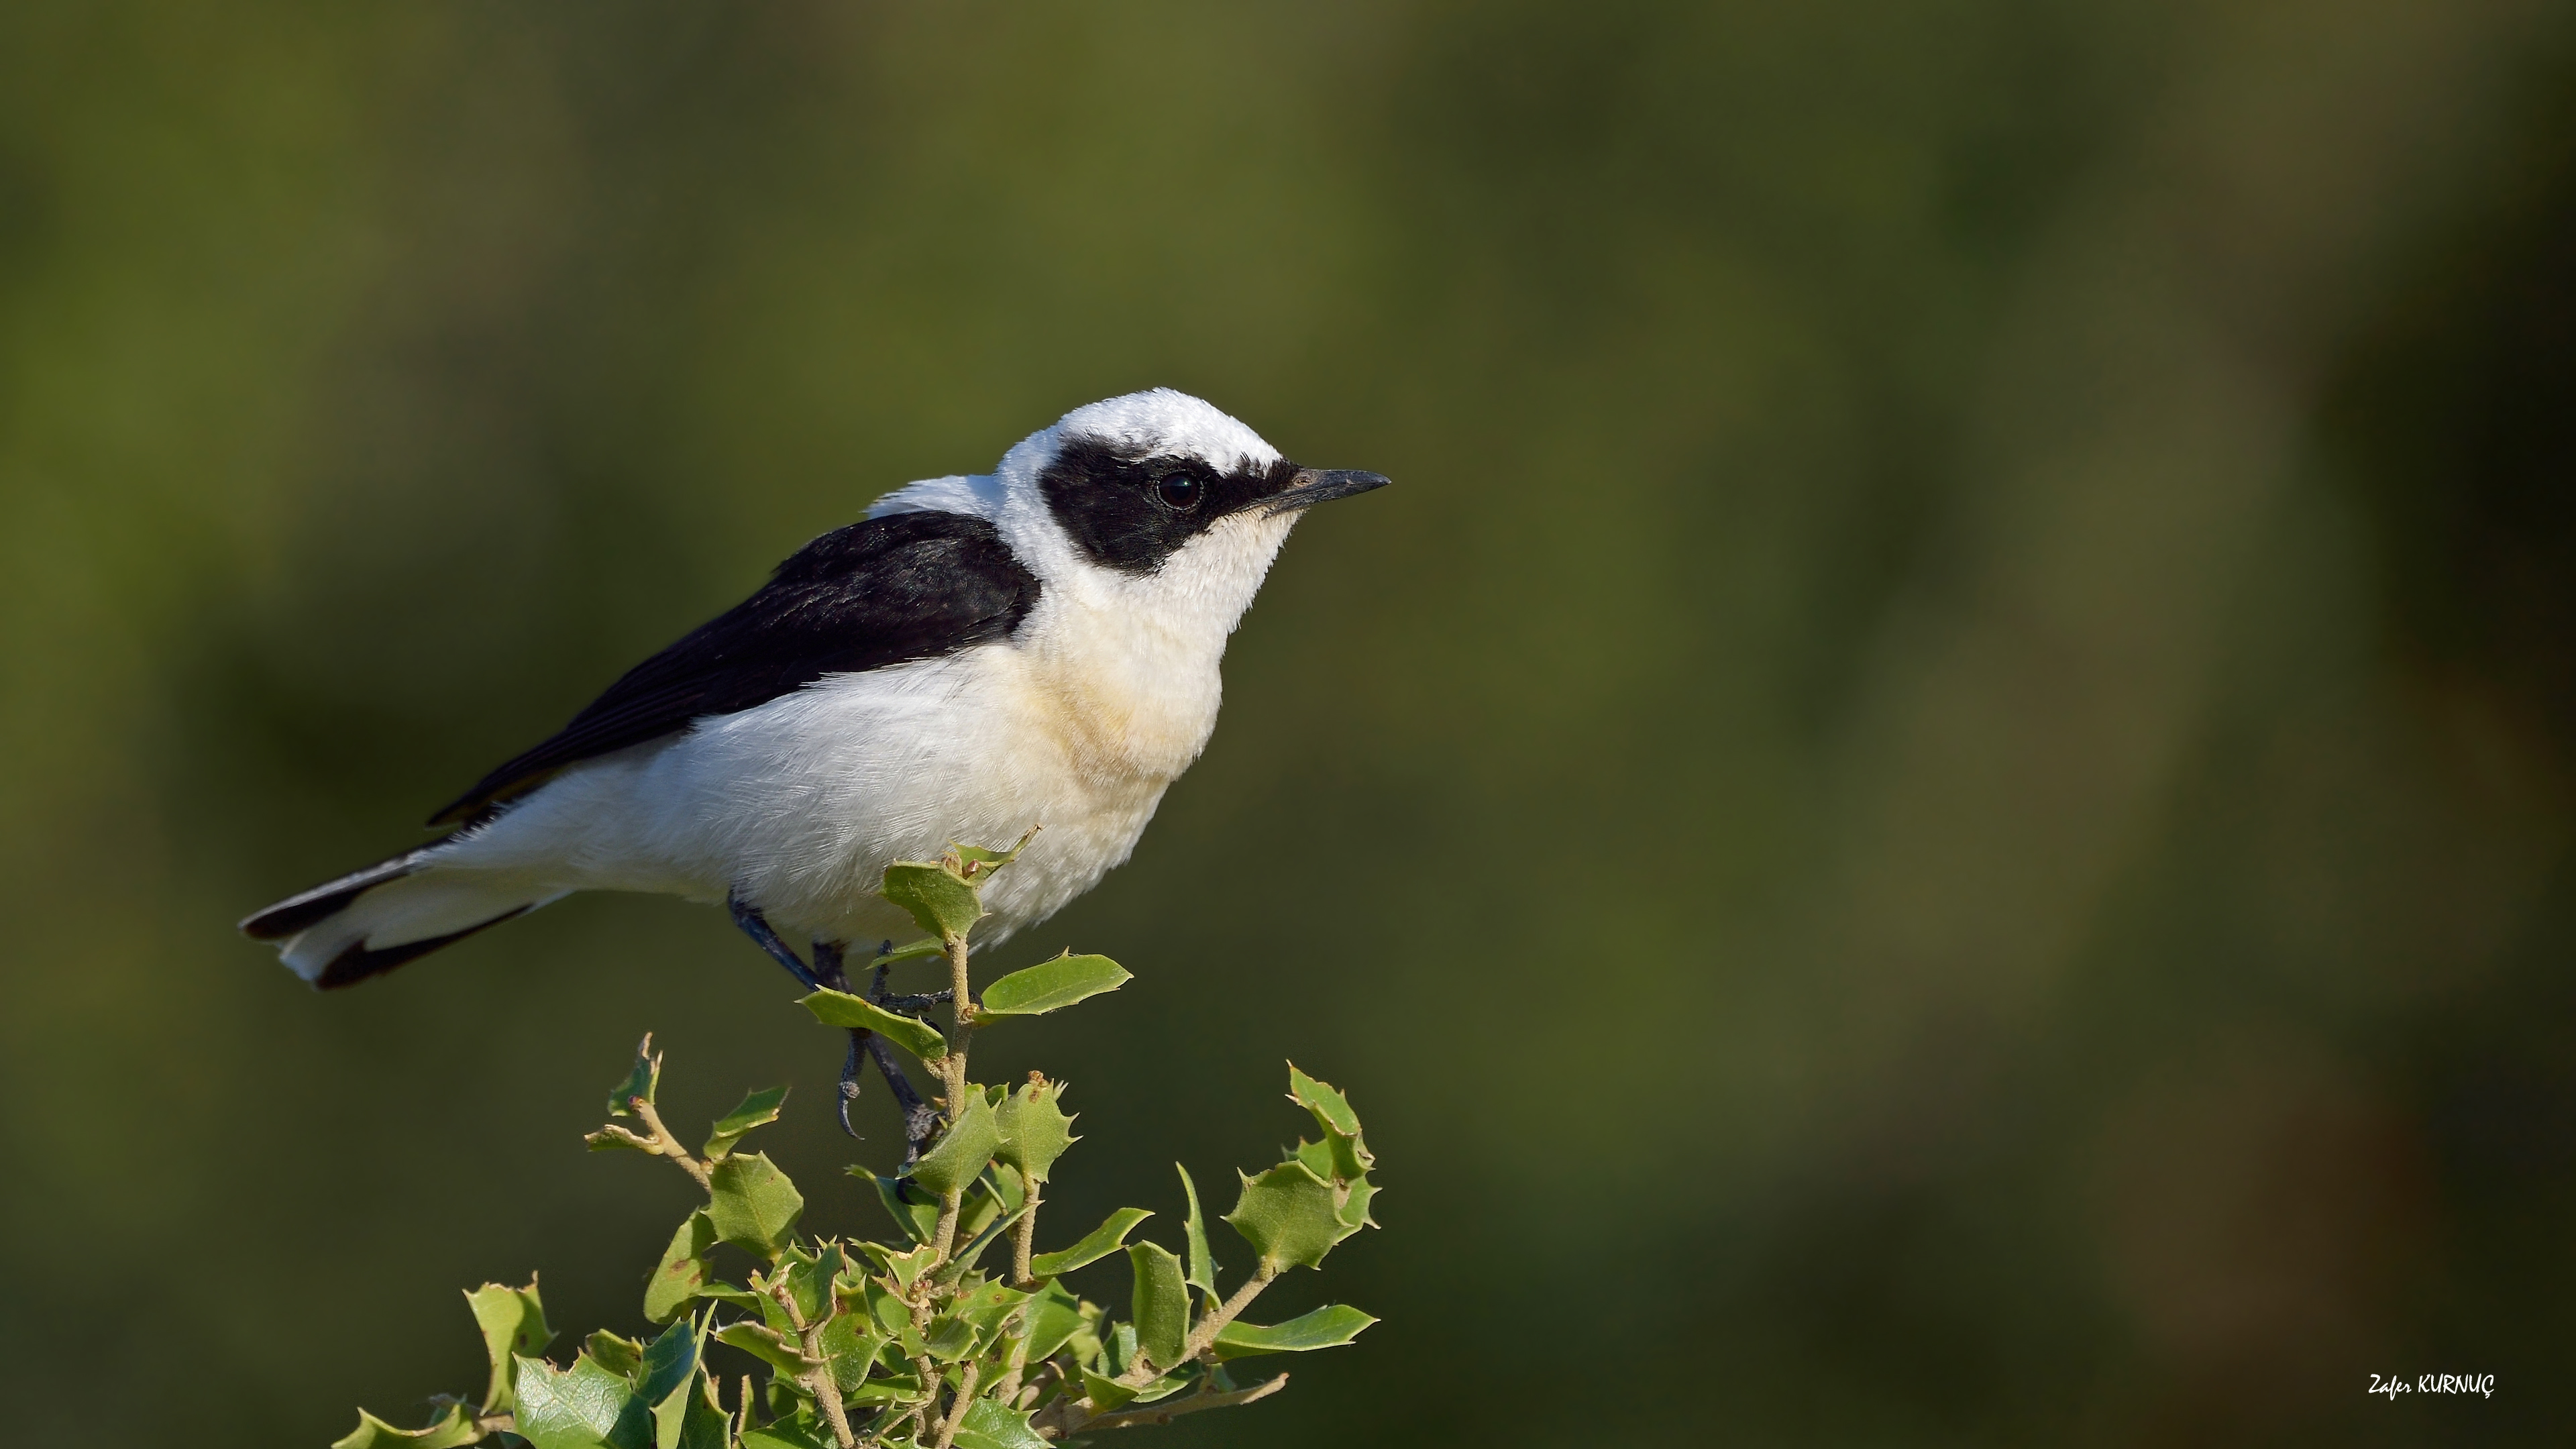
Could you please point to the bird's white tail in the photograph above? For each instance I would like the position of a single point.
(401, 908)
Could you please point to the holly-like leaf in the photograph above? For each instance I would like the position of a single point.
(1035, 1130)
(978, 862)
(1349, 1155)
(840, 1008)
(1099, 1243)
(582, 1407)
(937, 899)
(1289, 1216)
(1053, 985)
(683, 1270)
(758, 1109)
(642, 1080)
(766, 1344)
(513, 1321)
(788, 1434)
(962, 1150)
(1327, 1327)
(667, 1364)
(452, 1430)
(1055, 1316)
(752, 1204)
(691, 1418)
(850, 1343)
(619, 1356)
(1194, 1228)
(1161, 1303)
(914, 1210)
(989, 1424)
(904, 1268)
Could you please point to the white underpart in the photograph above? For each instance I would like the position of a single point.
(1078, 723)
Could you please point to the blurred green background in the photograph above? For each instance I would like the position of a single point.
(1967, 688)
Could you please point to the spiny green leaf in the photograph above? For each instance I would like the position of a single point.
(758, 1109)
(989, 1424)
(1053, 985)
(642, 1080)
(1194, 1227)
(950, 1338)
(1098, 1244)
(683, 1270)
(1161, 1303)
(619, 1356)
(914, 952)
(1347, 1155)
(962, 1150)
(1105, 1393)
(1055, 1316)
(850, 1343)
(766, 1344)
(1327, 1327)
(583, 1407)
(1035, 1130)
(1355, 1206)
(1289, 1216)
(977, 863)
(809, 1277)
(452, 1430)
(840, 1008)
(914, 1210)
(667, 1363)
(905, 1268)
(787, 1434)
(938, 901)
(752, 1204)
(691, 1418)
(513, 1321)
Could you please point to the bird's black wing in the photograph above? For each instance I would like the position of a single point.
(905, 586)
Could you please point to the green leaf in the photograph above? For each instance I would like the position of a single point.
(991, 1425)
(1053, 985)
(691, 1418)
(1202, 1262)
(642, 1080)
(513, 1321)
(683, 1270)
(787, 1434)
(809, 1278)
(950, 1339)
(905, 1268)
(1035, 1130)
(583, 1407)
(1355, 1206)
(1161, 1303)
(1055, 1316)
(962, 1150)
(752, 1204)
(1326, 1327)
(977, 862)
(1102, 1241)
(1289, 1216)
(1349, 1156)
(667, 1363)
(766, 1344)
(452, 1430)
(619, 1356)
(850, 1343)
(915, 1211)
(938, 901)
(758, 1109)
(840, 1008)
(1105, 1393)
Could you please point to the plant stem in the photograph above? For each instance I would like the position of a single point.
(1209, 1326)
(1024, 1238)
(952, 1071)
(957, 1412)
(666, 1144)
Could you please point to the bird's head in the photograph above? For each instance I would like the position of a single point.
(1154, 500)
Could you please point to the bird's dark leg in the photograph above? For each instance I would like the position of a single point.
(756, 926)
(920, 1119)
(827, 969)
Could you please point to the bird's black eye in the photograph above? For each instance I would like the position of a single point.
(1179, 492)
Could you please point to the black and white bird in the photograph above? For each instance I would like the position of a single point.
(1034, 646)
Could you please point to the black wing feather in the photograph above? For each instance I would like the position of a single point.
(902, 587)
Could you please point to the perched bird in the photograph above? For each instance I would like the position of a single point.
(1035, 646)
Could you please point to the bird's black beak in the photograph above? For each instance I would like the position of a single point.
(1310, 486)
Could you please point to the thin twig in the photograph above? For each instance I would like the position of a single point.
(1024, 1238)
(957, 1413)
(1209, 1326)
(661, 1141)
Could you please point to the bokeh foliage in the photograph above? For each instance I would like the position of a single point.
(1978, 597)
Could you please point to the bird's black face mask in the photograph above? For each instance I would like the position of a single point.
(1130, 514)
